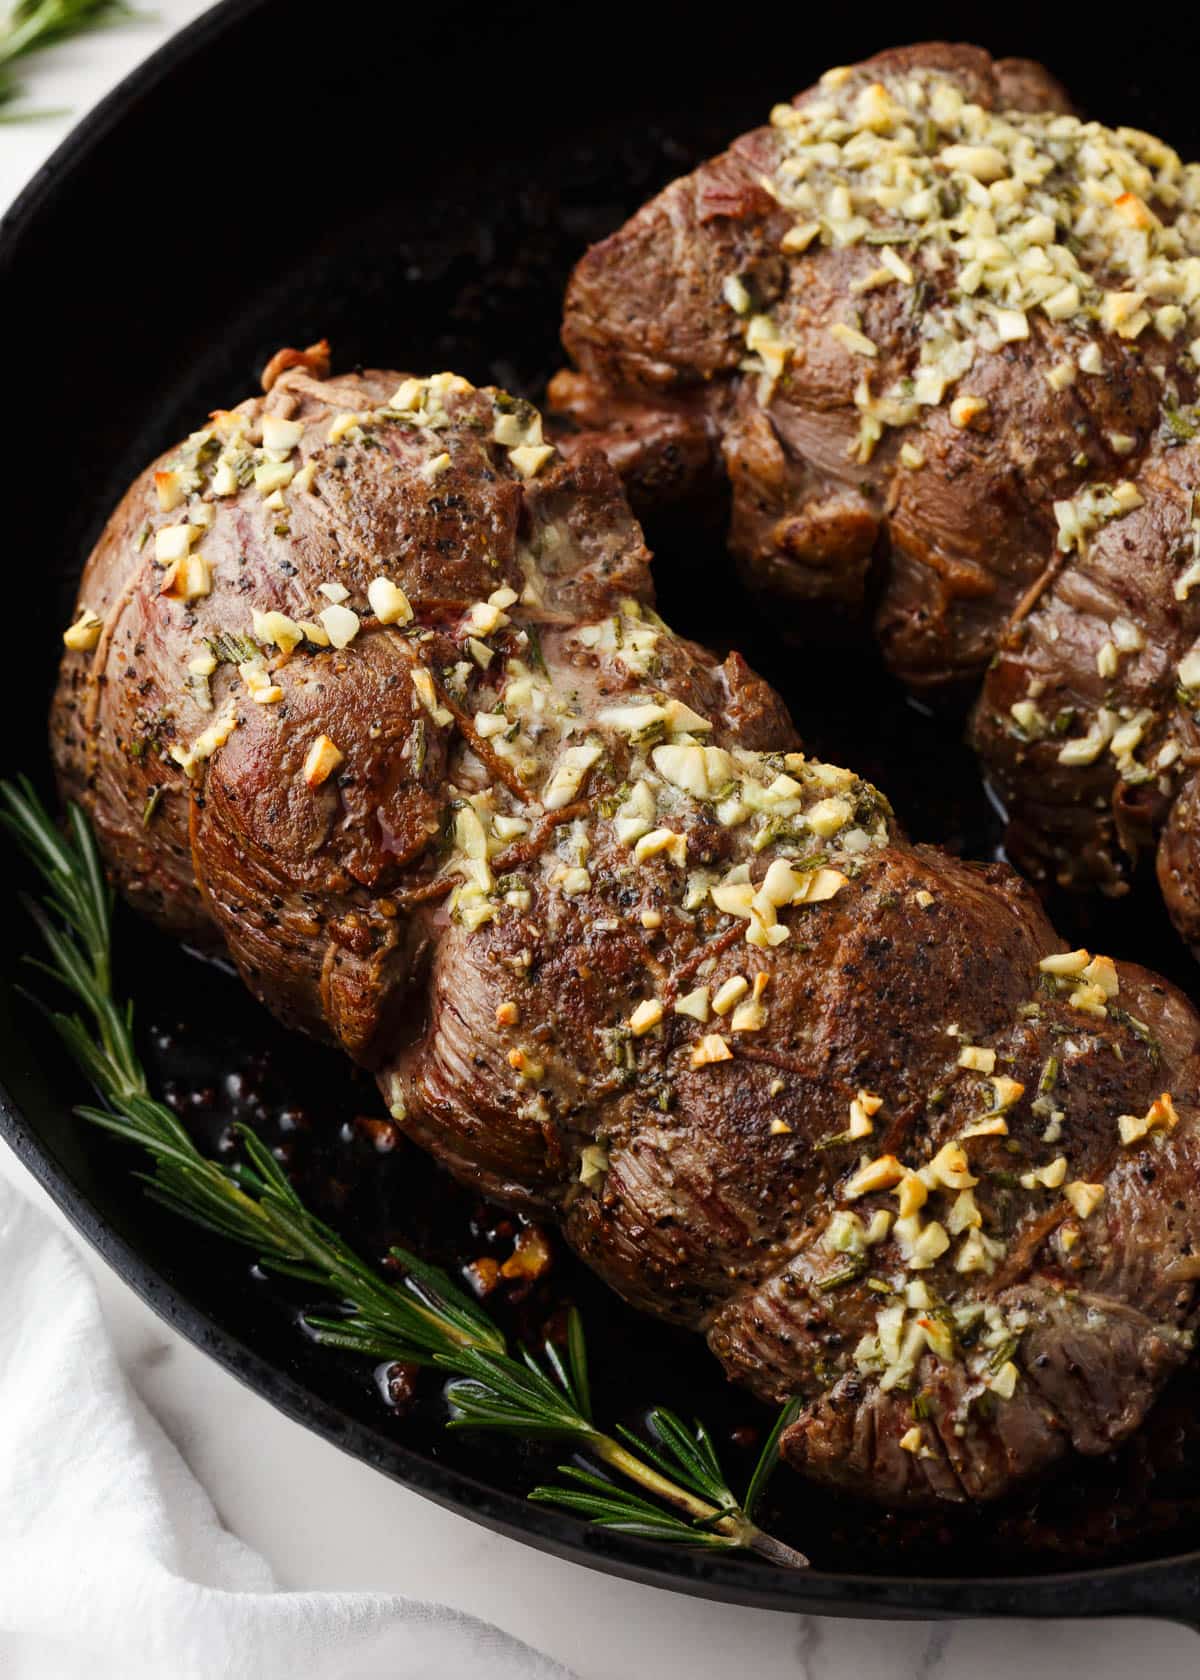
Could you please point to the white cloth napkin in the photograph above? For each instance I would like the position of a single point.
(113, 1561)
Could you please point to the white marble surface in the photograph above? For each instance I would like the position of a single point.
(324, 1520)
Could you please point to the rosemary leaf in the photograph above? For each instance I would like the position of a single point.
(768, 1459)
(424, 1317)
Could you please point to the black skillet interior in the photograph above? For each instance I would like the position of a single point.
(415, 187)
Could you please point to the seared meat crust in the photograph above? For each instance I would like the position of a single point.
(743, 318)
(616, 950)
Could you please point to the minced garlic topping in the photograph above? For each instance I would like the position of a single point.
(1037, 214)
(84, 634)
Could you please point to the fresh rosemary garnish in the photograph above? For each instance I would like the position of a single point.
(31, 25)
(423, 1319)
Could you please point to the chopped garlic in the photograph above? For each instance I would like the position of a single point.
(83, 635)
(1050, 1176)
(423, 686)
(879, 1174)
(169, 487)
(1084, 1198)
(922, 1248)
(751, 1016)
(734, 292)
(207, 742)
(593, 1165)
(567, 776)
(172, 542)
(800, 237)
(712, 1048)
(258, 683)
(1004, 1381)
(965, 410)
(993, 1126)
(727, 995)
(662, 841)
(984, 163)
(342, 425)
(530, 458)
(697, 769)
(1160, 1116)
(949, 1168)
(188, 579)
(978, 1253)
(1189, 670)
(862, 1108)
(1065, 962)
(964, 1214)
(1008, 1091)
(276, 629)
(856, 342)
(647, 1015)
(388, 601)
(896, 265)
(1102, 972)
(273, 475)
(435, 467)
(225, 479)
(341, 625)
(911, 1194)
(321, 761)
(828, 816)
(694, 1004)
(281, 434)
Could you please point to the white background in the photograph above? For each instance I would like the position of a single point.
(323, 1520)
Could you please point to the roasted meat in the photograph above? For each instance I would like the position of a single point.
(367, 685)
(939, 336)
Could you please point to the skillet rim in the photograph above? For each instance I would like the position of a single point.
(1167, 1588)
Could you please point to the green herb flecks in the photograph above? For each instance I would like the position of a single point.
(228, 648)
(536, 656)
(1179, 423)
(153, 800)
(1004, 1353)
(849, 1273)
(424, 1318)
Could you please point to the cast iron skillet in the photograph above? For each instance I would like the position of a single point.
(415, 183)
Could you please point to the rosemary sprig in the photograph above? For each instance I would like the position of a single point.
(32, 25)
(424, 1318)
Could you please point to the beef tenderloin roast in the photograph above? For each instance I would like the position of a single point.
(940, 339)
(367, 687)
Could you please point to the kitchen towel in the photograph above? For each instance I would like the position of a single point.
(113, 1561)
